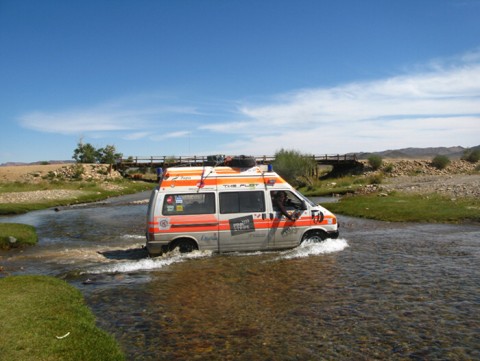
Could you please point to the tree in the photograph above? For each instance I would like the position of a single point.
(108, 155)
(85, 153)
(292, 165)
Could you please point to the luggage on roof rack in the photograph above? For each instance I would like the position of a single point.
(241, 161)
(216, 159)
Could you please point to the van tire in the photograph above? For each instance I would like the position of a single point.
(184, 245)
(316, 235)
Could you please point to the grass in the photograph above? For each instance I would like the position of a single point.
(14, 235)
(401, 207)
(36, 311)
(342, 185)
(93, 192)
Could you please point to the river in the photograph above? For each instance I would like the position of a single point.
(381, 291)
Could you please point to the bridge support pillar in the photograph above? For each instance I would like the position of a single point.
(342, 169)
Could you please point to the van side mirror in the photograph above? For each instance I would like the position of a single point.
(303, 206)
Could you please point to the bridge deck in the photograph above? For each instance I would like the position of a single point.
(163, 161)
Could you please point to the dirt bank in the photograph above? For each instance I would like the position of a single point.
(35, 174)
(38, 173)
(459, 179)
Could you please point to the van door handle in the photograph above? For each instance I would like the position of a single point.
(271, 216)
(264, 216)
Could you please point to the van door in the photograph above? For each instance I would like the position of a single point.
(286, 233)
(243, 222)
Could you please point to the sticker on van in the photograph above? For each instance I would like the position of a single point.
(241, 225)
(164, 224)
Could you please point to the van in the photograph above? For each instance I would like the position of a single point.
(229, 209)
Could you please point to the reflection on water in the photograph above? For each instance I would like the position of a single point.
(381, 291)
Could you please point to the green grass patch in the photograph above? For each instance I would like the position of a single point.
(401, 207)
(14, 235)
(342, 185)
(93, 192)
(37, 311)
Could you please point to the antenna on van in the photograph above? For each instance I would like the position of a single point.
(201, 184)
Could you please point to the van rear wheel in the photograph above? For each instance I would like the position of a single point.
(315, 236)
(184, 245)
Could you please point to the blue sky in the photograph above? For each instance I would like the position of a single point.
(199, 77)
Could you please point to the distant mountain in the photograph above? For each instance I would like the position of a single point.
(8, 164)
(419, 153)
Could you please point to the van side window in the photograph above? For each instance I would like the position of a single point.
(290, 202)
(242, 202)
(188, 203)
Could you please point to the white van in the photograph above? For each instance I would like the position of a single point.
(224, 209)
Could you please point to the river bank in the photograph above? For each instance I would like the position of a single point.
(460, 179)
(62, 184)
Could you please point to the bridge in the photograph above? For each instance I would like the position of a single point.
(340, 163)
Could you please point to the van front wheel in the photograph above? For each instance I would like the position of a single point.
(184, 245)
(315, 236)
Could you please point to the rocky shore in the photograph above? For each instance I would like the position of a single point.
(459, 179)
(61, 172)
(34, 174)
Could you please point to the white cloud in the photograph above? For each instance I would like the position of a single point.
(443, 93)
(136, 135)
(135, 114)
(179, 134)
(433, 108)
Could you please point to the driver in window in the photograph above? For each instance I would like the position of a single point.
(280, 202)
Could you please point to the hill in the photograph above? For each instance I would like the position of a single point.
(419, 153)
(11, 164)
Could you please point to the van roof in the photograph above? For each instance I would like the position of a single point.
(222, 170)
(222, 177)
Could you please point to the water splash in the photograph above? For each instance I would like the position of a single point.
(148, 264)
(133, 236)
(306, 249)
(310, 248)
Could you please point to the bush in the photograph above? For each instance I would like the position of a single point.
(389, 168)
(471, 155)
(375, 179)
(375, 161)
(440, 161)
(292, 165)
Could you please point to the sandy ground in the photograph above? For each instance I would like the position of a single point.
(22, 173)
(19, 172)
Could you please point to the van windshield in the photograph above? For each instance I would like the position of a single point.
(306, 199)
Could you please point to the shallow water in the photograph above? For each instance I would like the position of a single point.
(381, 291)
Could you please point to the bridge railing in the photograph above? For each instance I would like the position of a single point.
(198, 160)
(142, 160)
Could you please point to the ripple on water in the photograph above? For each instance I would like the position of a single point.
(382, 291)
